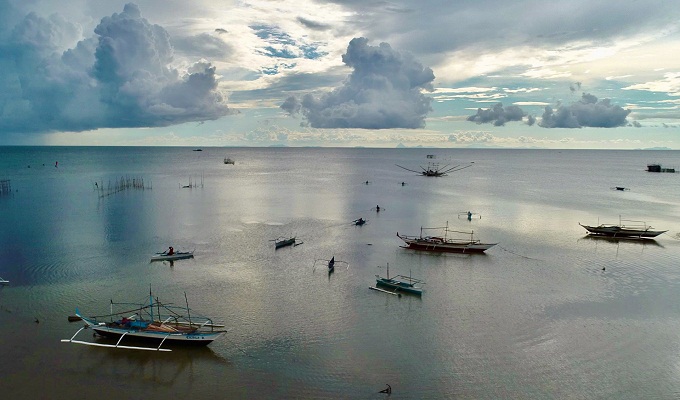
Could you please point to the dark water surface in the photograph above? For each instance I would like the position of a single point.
(548, 313)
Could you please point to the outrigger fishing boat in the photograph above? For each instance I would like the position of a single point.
(178, 255)
(638, 230)
(400, 283)
(3, 282)
(330, 264)
(154, 322)
(444, 243)
(283, 241)
(433, 169)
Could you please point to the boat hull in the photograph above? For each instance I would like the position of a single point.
(399, 287)
(183, 339)
(619, 231)
(176, 256)
(446, 247)
(284, 243)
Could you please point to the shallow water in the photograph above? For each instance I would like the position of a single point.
(548, 313)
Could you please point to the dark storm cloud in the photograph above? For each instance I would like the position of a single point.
(120, 77)
(587, 112)
(498, 115)
(383, 91)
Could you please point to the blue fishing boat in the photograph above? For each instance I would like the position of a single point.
(400, 283)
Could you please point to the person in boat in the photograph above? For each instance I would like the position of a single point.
(331, 263)
(360, 221)
(170, 251)
(387, 390)
(377, 208)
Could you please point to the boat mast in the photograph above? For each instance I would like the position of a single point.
(188, 312)
(150, 302)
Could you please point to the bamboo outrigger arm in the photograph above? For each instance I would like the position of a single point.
(115, 346)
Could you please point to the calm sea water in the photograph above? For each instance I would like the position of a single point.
(548, 313)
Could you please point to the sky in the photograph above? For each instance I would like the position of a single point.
(577, 74)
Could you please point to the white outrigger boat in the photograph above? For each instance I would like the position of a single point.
(3, 282)
(154, 323)
(178, 255)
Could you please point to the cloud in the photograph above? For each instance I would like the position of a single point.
(313, 25)
(471, 137)
(498, 115)
(203, 45)
(120, 77)
(587, 112)
(383, 91)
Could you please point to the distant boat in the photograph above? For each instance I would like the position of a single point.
(228, 160)
(179, 255)
(400, 283)
(330, 264)
(359, 221)
(198, 149)
(620, 188)
(3, 282)
(658, 168)
(283, 241)
(444, 243)
(433, 169)
(640, 230)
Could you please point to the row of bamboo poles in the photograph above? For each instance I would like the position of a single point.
(123, 183)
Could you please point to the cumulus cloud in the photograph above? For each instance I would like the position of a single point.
(587, 112)
(498, 115)
(383, 91)
(119, 77)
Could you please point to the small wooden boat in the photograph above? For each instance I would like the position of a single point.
(283, 241)
(179, 255)
(228, 160)
(401, 283)
(444, 243)
(154, 322)
(330, 264)
(359, 222)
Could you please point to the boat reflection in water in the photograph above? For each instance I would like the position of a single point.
(622, 239)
